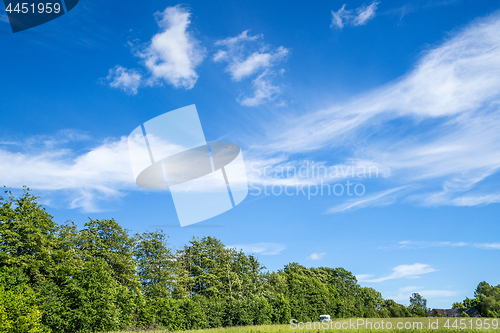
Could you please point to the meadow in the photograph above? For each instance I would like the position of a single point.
(436, 325)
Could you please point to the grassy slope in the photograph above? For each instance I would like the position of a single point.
(425, 322)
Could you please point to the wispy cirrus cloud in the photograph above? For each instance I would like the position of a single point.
(378, 199)
(488, 246)
(317, 256)
(246, 57)
(241, 61)
(264, 90)
(408, 244)
(399, 272)
(360, 16)
(171, 56)
(423, 244)
(449, 104)
(406, 292)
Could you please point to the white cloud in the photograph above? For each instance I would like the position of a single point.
(260, 248)
(378, 199)
(232, 42)
(128, 80)
(173, 54)
(412, 245)
(240, 69)
(103, 172)
(245, 57)
(406, 292)
(339, 16)
(365, 13)
(401, 271)
(264, 91)
(317, 256)
(488, 246)
(451, 105)
(422, 245)
(344, 17)
(170, 57)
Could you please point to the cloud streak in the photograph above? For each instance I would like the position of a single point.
(450, 105)
(343, 17)
(317, 256)
(398, 272)
(406, 292)
(378, 199)
(407, 244)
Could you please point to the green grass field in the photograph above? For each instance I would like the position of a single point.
(437, 325)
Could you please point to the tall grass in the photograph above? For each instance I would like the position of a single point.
(418, 325)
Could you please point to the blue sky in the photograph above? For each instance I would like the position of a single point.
(406, 88)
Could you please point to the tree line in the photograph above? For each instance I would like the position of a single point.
(486, 300)
(54, 277)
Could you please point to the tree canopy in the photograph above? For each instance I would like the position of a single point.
(101, 278)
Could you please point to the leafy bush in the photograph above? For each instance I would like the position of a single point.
(167, 313)
(92, 296)
(19, 312)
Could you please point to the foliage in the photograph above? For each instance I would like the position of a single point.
(458, 305)
(56, 277)
(155, 264)
(418, 305)
(107, 240)
(19, 312)
(486, 300)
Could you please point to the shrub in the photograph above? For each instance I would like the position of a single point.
(18, 311)
(167, 313)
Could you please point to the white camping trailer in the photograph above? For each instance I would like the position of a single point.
(324, 318)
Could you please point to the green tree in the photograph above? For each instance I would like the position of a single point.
(203, 265)
(95, 299)
(27, 235)
(106, 239)
(458, 305)
(486, 300)
(418, 305)
(156, 264)
(208, 268)
(471, 303)
(396, 310)
(372, 302)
